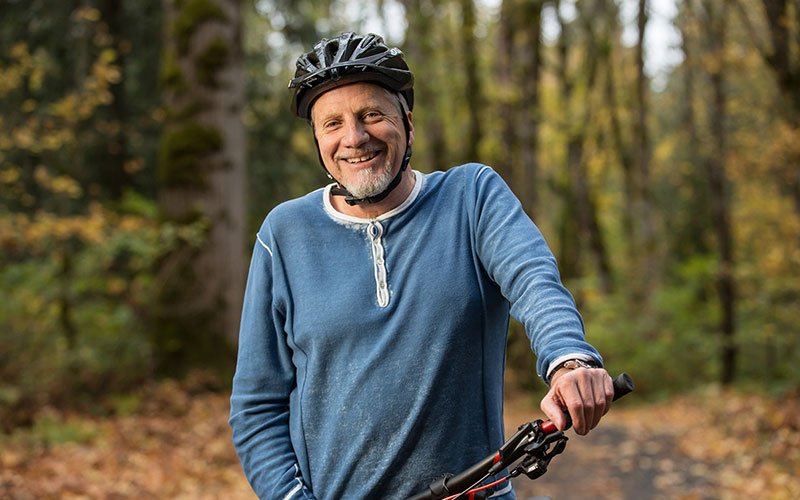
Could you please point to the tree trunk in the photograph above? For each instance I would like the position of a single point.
(785, 64)
(473, 91)
(781, 57)
(570, 243)
(114, 175)
(577, 129)
(508, 102)
(528, 76)
(643, 210)
(692, 237)
(720, 204)
(202, 173)
(420, 48)
(519, 69)
(618, 137)
(587, 211)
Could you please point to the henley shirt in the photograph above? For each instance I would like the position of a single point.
(372, 351)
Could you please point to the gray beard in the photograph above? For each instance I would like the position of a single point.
(368, 184)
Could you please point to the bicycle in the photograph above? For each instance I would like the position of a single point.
(528, 451)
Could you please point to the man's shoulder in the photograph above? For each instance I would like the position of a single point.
(467, 171)
(296, 210)
(460, 177)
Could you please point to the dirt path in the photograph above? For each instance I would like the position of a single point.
(613, 462)
(179, 447)
(713, 446)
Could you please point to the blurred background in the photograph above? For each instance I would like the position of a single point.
(656, 144)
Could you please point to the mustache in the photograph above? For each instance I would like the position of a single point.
(357, 154)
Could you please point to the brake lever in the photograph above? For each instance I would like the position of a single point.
(538, 455)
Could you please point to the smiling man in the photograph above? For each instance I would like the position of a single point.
(373, 334)
(362, 138)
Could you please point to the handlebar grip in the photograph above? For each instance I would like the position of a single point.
(623, 384)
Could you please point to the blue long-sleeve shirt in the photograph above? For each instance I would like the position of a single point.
(371, 351)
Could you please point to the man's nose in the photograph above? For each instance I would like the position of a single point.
(355, 134)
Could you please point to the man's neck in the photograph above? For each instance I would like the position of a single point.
(373, 210)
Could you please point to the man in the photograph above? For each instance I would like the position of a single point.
(373, 333)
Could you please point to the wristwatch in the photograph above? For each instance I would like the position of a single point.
(572, 364)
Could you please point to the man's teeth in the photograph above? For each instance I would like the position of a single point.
(361, 158)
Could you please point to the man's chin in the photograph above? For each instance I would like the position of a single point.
(367, 190)
(366, 193)
(370, 186)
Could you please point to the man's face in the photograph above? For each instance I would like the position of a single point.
(361, 136)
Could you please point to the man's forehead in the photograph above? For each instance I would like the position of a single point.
(363, 94)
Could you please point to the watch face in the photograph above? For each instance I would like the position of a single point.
(576, 363)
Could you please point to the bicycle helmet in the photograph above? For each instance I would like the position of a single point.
(346, 59)
(349, 58)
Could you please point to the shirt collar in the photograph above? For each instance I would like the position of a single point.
(326, 198)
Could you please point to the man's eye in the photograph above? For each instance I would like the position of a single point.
(331, 124)
(372, 114)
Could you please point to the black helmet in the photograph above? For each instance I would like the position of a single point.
(346, 59)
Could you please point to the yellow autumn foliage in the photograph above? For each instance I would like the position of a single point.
(58, 184)
(38, 233)
(86, 13)
(50, 126)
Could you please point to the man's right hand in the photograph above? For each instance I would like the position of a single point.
(584, 393)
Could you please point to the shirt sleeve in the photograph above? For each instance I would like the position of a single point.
(515, 255)
(262, 385)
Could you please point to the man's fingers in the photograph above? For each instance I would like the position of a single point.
(585, 413)
(578, 410)
(585, 394)
(598, 401)
(608, 393)
(551, 407)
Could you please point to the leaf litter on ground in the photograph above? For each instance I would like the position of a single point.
(176, 443)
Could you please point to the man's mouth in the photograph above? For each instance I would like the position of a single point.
(361, 159)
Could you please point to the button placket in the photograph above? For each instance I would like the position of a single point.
(375, 233)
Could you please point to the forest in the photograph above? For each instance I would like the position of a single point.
(142, 144)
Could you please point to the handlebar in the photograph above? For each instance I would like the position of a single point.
(532, 439)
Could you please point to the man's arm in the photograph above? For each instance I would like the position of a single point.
(516, 256)
(261, 388)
